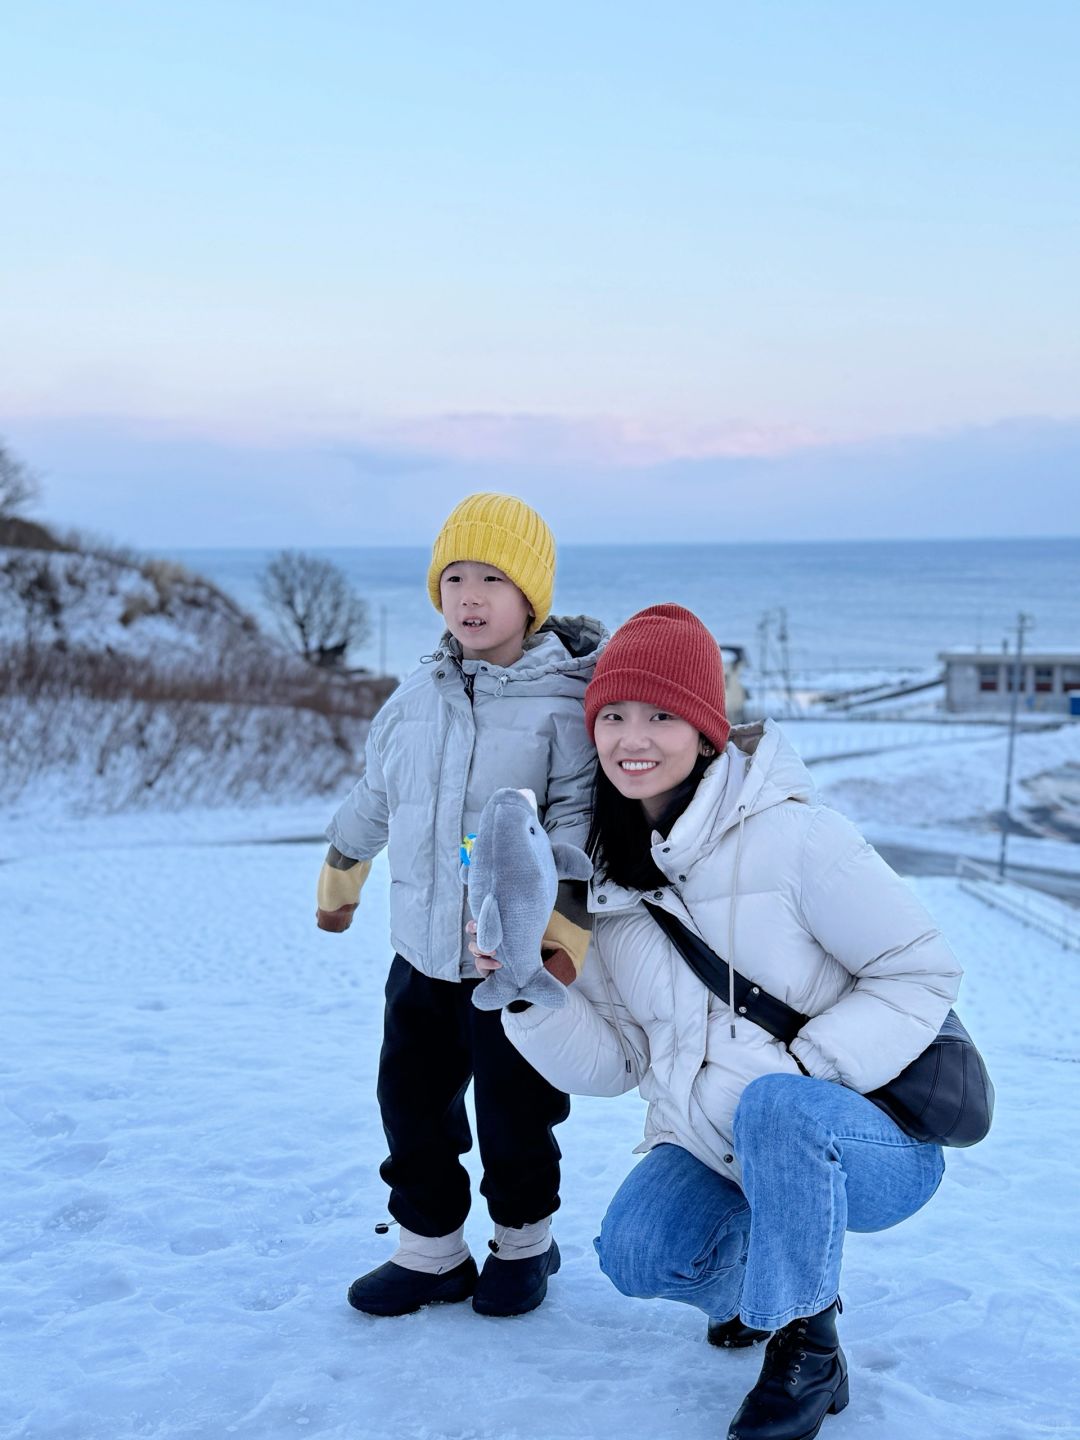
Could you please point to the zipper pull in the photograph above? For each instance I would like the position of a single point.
(383, 1227)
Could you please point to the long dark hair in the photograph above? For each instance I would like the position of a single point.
(620, 835)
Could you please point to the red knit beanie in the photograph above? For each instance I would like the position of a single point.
(663, 656)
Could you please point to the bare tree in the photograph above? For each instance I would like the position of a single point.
(18, 483)
(315, 607)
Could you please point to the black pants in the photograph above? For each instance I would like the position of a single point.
(434, 1041)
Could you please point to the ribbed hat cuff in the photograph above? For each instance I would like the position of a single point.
(632, 683)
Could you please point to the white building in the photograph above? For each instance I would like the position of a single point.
(1049, 683)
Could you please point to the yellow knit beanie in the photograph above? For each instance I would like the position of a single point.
(503, 531)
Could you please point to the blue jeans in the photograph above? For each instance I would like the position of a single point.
(817, 1160)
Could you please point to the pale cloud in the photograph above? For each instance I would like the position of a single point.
(592, 441)
(161, 486)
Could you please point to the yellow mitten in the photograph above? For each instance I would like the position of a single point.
(340, 882)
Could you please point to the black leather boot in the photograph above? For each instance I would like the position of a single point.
(734, 1335)
(393, 1290)
(803, 1378)
(514, 1287)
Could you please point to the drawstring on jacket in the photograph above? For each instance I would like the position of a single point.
(623, 1046)
(731, 920)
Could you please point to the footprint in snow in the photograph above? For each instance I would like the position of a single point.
(73, 1160)
(78, 1217)
(45, 1124)
(102, 1288)
(269, 1297)
(880, 1361)
(199, 1242)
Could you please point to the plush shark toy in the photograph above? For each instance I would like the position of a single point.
(513, 871)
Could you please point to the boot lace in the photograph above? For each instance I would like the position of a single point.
(785, 1353)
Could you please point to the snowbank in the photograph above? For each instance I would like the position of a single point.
(191, 1143)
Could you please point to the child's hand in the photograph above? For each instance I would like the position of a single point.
(334, 920)
(485, 962)
(340, 881)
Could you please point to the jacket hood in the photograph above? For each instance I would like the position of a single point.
(582, 636)
(772, 773)
(775, 772)
(758, 770)
(564, 645)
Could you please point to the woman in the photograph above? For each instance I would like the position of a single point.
(760, 1155)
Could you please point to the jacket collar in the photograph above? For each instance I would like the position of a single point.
(564, 645)
(758, 769)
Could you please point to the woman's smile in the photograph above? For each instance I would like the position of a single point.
(673, 745)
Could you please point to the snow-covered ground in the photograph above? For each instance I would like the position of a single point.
(932, 786)
(190, 1145)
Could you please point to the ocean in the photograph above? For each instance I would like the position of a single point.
(846, 606)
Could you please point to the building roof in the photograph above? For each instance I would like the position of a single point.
(993, 657)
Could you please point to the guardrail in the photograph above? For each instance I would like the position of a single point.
(1032, 907)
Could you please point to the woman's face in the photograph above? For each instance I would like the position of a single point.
(645, 752)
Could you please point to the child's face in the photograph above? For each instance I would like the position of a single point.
(484, 611)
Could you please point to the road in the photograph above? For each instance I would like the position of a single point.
(910, 860)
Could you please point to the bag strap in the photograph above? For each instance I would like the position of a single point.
(779, 1019)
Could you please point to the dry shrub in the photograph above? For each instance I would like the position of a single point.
(217, 714)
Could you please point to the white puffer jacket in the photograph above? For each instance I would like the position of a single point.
(790, 891)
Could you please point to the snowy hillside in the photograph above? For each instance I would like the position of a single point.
(118, 603)
(128, 682)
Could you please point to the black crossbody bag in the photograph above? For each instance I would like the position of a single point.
(945, 1095)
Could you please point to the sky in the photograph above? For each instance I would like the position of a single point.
(281, 274)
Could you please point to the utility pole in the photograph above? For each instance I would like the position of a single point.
(763, 641)
(1023, 623)
(785, 658)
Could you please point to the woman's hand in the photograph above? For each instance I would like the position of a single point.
(555, 962)
(485, 960)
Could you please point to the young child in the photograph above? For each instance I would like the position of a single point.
(500, 703)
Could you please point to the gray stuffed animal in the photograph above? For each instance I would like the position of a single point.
(513, 871)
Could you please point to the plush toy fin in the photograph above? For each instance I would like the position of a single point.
(498, 990)
(495, 992)
(489, 930)
(544, 989)
(570, 862)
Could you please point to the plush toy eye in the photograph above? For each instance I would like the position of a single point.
(532, 829)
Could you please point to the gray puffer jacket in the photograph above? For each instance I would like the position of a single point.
(452, 733)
